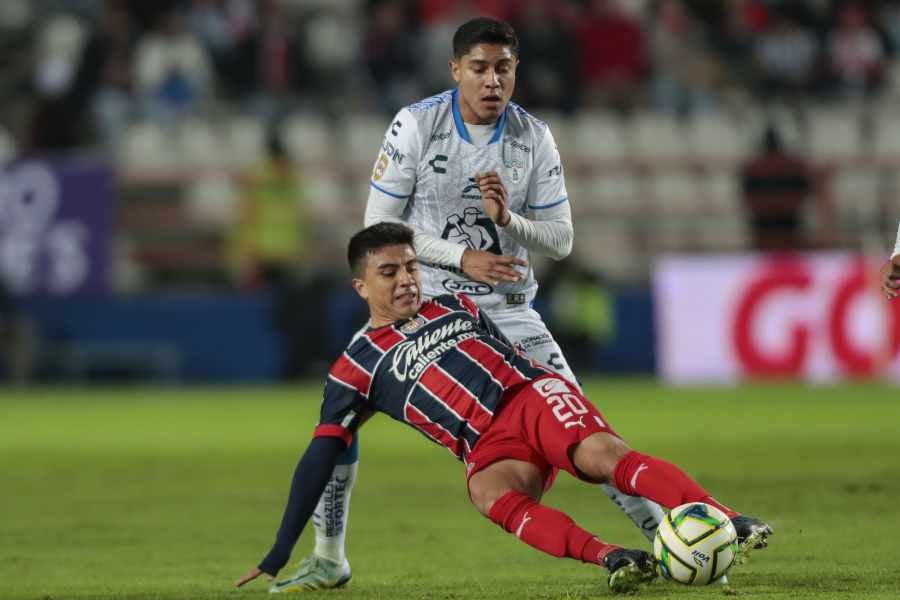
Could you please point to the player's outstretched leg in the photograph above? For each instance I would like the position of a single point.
(327, 567)
(666, 484)
(555, 533)
(644, 513)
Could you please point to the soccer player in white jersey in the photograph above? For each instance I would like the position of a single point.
(481, 183)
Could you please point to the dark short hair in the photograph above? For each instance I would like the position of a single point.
(375, 237)
(484, 30)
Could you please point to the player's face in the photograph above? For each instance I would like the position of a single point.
(486, 77)
(391, 284)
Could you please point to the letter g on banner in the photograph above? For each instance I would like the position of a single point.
(778, 276)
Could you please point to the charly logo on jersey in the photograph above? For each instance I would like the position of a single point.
(411, 357)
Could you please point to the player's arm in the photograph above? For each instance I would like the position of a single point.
(549, 232)
(342, 414)
(890, 272)
(393, 182)
(309, 481)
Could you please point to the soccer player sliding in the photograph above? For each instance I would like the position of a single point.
(443, 367)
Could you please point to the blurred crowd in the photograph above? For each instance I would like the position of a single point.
(76, 72)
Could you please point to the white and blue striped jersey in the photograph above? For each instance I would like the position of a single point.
(428, 161)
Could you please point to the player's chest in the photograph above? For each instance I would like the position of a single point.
(447, 170)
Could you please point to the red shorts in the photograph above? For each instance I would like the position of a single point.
(539, 423)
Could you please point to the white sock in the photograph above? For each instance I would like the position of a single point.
(332, 512)
(644, 513)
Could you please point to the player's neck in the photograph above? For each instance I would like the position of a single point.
(375, 321)
(468, 115)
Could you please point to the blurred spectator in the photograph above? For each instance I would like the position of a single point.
(612, 55)
(108, 56)
(172, 72)
(856, 51)
(733, 37)
(786, 57)
(390, 51)
(269, 239)
(439, 18)
(56, 122)
(685, 74)
(548, 74)
(274, 59)
(331, 45)
(581, 313)
(18, 342)
(889, 19)
(776, 186)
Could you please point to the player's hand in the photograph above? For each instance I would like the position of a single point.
(491, 268)
(250, 576)
(890, 278)
(494, 197)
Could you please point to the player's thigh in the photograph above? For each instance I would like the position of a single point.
(558, 419)
(526, 328)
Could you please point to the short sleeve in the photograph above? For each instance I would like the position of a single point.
(547, 187)
(394, 172)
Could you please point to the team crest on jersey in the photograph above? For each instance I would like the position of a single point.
(412, 325)
(514, 158)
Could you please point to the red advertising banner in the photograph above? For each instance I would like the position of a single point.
(818, 317)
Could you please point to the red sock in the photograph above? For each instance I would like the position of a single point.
(546, 529)
(637, 474)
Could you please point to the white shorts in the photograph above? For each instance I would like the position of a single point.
(523, 326)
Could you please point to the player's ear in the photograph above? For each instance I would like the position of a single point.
(360, 286)
(454, 69)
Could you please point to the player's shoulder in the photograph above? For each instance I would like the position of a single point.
(524, 120)
(431, 104)
(360, 343)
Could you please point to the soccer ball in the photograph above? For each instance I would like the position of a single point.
(695, 544)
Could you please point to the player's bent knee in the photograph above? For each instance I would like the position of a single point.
(596, 456)
(495, 481)
(483, 498)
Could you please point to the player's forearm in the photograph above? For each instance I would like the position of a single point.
(310, 478)
(547, 238)
(438, 251)
(429, 248)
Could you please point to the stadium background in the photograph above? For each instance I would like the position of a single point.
(178, 182)
(141, 195)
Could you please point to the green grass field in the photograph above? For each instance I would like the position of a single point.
(174, 493)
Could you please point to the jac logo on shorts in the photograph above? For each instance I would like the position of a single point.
(472, 288)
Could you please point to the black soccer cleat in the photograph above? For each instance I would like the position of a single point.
(628, 569)
(752, 533)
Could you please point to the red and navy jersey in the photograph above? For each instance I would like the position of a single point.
(443, 372)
